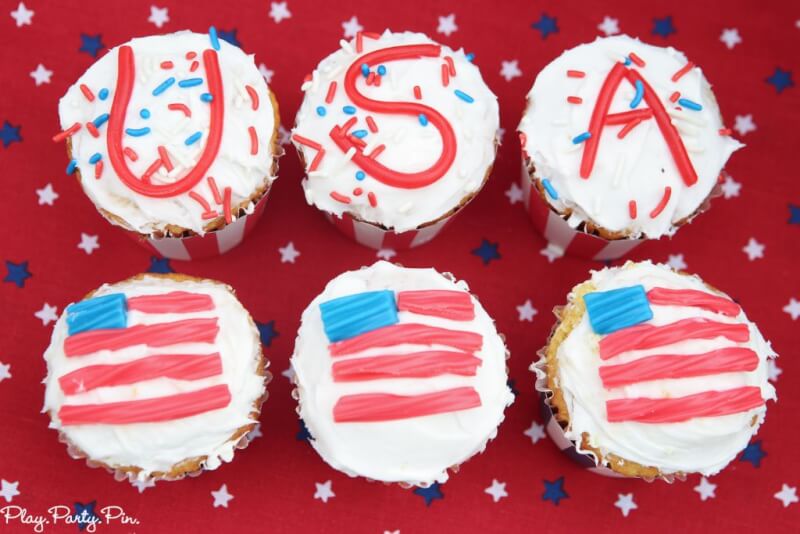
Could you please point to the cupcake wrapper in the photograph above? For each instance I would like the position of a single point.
(375, 237)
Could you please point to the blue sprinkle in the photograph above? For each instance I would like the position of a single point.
(95, 158)
(101, 120)
(360, 175)
(464, 96)
(103, 94)
(206, 97)
(581, 138)
(381, 70)
(164, 86)
(685, 102)
(627, 61)
(321, 111)
(637, 98)
(470, 57)
(137, 132)
(550, 189)
(212, 35)
(190, 82)
(144, 113)
(365, 69)
(71, 166)
(192, 139)
(350, 110)
(360, 133)
(423, 120)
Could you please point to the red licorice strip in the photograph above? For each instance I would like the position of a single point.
(451, 67)
(639, 62)
(662, 366)
(378, 149)
(371, 124)
(662, 203)
(647, 336)
(167, 65)
(253, 96)
(455, 305)
(153, 335)
(419, 334)
(373, 201)
(87, 93)
(625, 117)
(126, 76)
(445, 76)
(679, 409)
(67, 133)
(151, 170)
(331, 93)
(175, 366)
(180, 107)
(574, 99)
(625, 130)
(152, 410)
(597, 121)
(92, 129)
(98, 169)
(375, 407)
(695, 298)
(632, 209)
(575, 74)
(674, 96)
(344, 199)
(162, 152)
(226, 205)
(172, 302)
(686, 68)
(417, 92)
(200, 200)
(253, 140)
(424, 364)
(214, 189)
(131, 153)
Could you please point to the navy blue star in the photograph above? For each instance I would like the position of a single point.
(430, 494)
(84, 514)
(229, 36)
(753, 453)
(303, 434)
(487, 251)
(267, 332)
(780, 79)
(663, 27)
(17, 273)
(510, 384)
(9, 134)
(91, 44)
(794, 214)
(546, 25)
(554, 491)
(159, 265)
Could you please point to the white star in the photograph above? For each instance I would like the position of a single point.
(447, 25)
(526, 311)
(265, 72)
(9, 490)
(5, 371)
(88, 243)
(22, 15)
(730, 36)
(773, 371)
(351, 27)
(47, 195)
(793, 308)
(535, 432)
(510, 70)
(289, 373)
(677, 262)
(324, 491)
(142, 485)
(288, 253)
(47, 314)
(255, 433)
(552, 252)
(221, 496)
(730, 187)
(284, 135)
(609, 26)
(386, 254)
(497, 490)
(705, 489)
(158, 16)
(41, 75)
(625, 503)
(787, 495)
(391, 532)
(279, 11)
(754, 249)
(744, 124)
(514, 193)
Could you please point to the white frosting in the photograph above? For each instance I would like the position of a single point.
(156, 447)
(410, 147)
(234, 165)
(703, 445)
(417, 450)
(637, 167)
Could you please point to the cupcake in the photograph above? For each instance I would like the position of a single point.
(621, 141)
(174, 137)
(397, 133)
(400, 373)
(155, 377)
(655, 374)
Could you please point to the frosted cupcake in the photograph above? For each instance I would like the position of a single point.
(400, 374)
(174, 136)
(397, 134)
(621, 140)
(156, 377)
(655, 374)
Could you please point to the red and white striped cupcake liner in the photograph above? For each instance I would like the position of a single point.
(375, 237)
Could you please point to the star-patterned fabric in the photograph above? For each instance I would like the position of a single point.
(55, 248)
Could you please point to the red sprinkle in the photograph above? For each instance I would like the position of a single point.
(674, 96)
(131, 153)
(87, 93)
(451, 67)
(636, 59)
(180, 107)
(98, 169)
(445, 76)
(575, 74)
(340, 197)
(371, 78)
(417, 92)
(628, 127)
(574, 99)
(92, 129)
(191, 55)
(253, 140)
(214, 190)
(348, 124)
(359, 42)
(209, 215)
(358, 142)
(663, 204)
(151, 170)
(162, 152)
(194, 66)
(523, 139)
(371, 35)
(305, 141)
(226, 205)
(307, 78)
(371, 124)
(317, 159)
(378, 79)
(68, 132)
(725, 131)
(357, 191)
(372, 200)
(167, 65)
(200, 200)
(378, 149)
(686, 68)
(632, 209)
(331, 93)
(253, 96)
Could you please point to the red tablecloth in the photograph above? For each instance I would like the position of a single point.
(274, 481)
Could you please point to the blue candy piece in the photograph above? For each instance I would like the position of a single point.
(109, 311)
(350, 316)
(614, 310)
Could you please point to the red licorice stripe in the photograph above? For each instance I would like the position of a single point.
(665, 366)
(226, 204)
(639, 62)
(417, 92)
(632, 209)
(373, 201)
(415, 333)
(344, 199)
(180, 107)
(359, 42)
(679, 409)
(253, 140)
(175, 366)
(423, 364)
(200, 200)
(212, 184)
(371, 124)
(377, 151)
(87, 92)
(674, 96)
(662, 203)
(627, 116)
(647, 336)
(373, 407)
(447, 304)
(172, 302)
(151, 170)
(575, 74)
(451, 67)
(98, 169)
(574, 99)
(162, 152)
(152, 335)
(67, 133)
(597, 121)
(686, 68)
(305, 141)
(253, 96)
(331, 93)
(625, 130)
(131, 153)
(92, 129)
(167, 65)
(445, 76)
(695, 298)
(193, 67)
(151, 410)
